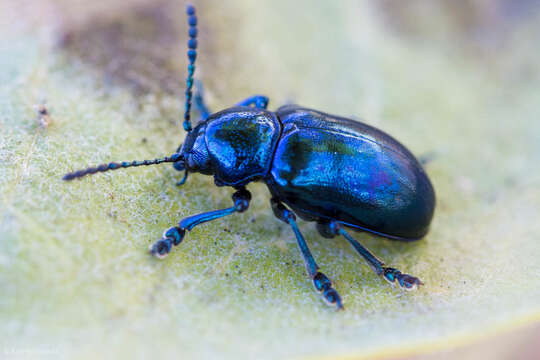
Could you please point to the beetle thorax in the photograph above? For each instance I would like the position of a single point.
(235, 145)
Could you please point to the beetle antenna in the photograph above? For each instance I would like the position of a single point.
(121, 165)
(192, 55)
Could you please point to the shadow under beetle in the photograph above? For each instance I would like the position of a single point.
(335, 171)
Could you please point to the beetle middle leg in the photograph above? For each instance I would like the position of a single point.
(392, 275)
(174, 235)
(321, 282)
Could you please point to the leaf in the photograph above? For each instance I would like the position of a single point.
(75, 274)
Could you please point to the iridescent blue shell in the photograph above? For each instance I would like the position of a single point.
(327, 167)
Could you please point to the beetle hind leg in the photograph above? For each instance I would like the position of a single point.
(391, 275)
(321, 282)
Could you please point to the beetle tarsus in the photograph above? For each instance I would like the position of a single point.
(172, 236)
(161, 248)
(405, 281)
(330, 295)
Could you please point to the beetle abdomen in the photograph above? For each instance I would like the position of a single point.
(327, 167)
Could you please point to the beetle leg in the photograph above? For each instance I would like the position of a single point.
(259, 101)
(198, 99)
(175, 234)
(426, 158)
(320, 281)
(390, 274)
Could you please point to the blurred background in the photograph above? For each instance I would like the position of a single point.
(83, 82)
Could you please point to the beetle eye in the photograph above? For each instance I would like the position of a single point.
(179, 165)
(190, 161)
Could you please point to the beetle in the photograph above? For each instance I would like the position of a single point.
(339, 173)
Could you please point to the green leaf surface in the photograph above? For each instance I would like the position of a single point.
(75, 274)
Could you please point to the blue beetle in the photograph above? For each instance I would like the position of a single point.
(340, 173)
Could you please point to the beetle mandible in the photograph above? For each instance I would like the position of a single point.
(340, 173)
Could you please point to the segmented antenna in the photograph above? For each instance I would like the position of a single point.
(124, 164)
(192, 55)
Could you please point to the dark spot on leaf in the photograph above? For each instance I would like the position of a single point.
(138, 46)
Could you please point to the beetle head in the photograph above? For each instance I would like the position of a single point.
(194, 152)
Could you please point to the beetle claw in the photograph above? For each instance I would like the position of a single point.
(161, 248)
(408, 282)
(332, 298)
(330, 295)
(171, 236)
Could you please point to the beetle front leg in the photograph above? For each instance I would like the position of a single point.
(259, 101)
(390, 274)
(174, 235)
(321, 282)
